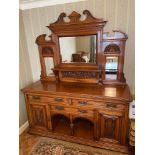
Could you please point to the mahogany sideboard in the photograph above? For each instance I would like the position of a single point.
(84, 102)
(106, 108)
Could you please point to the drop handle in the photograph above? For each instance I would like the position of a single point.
(59, 107)
(59, 99)
(82, 111)
(82, 102)
(111, 105)
(36, 97)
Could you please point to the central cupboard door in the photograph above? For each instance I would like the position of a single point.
(110, 126)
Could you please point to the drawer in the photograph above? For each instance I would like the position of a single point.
(83, 112)
(91, 104)
(73, 111)
(56, 99)
(113, 106)
(59, 108)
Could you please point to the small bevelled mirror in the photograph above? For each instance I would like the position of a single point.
(79, 49)
(111, 68)
(49, 65)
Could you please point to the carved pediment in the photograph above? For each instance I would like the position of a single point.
(74, 18)
(117, 35)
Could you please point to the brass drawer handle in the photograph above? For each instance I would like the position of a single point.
(59, 107)
(59, 99)
(82, 102)
(82, 111)
(36, 97)
(111, 105)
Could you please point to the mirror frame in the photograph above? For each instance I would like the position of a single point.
(77, 27)
(89, 51)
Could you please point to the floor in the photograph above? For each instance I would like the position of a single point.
(27, 141)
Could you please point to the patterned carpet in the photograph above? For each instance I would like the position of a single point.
(48, 146)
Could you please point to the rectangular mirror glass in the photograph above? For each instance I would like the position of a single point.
(49, 65)
(111, 68)
(80, 49)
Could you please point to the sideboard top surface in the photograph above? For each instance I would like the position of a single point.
(117, 92)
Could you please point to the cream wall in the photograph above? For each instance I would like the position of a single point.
(25, 73)
(119, 14)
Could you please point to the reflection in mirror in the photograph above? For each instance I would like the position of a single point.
(111, 68)
(49, 65)
(78, 49)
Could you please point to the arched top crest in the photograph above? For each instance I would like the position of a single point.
(75, 19)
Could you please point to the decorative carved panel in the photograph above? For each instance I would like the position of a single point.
(112, 48)
(38, 113)
(78, 74)
(110, 127)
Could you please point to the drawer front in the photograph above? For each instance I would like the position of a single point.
(59, 109)
(55, 99)
(85, 103)
(113, 106)
(97, 104)
(73, 111)
(85, 113)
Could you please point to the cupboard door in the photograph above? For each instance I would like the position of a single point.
(111, 127)
(38, 116)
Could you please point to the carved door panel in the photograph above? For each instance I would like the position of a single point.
(111, 127)
(38, 116)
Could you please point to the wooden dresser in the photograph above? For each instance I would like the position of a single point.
(77, 103)
(105, 106)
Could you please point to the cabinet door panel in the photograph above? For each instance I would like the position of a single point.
(110, 127)
(38, 116)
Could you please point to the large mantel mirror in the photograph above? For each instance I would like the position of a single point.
(78, 49)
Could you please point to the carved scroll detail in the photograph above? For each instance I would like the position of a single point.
(74, 18)
(42, 40)
(61, 18)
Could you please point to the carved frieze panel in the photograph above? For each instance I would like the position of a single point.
(78, 74)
